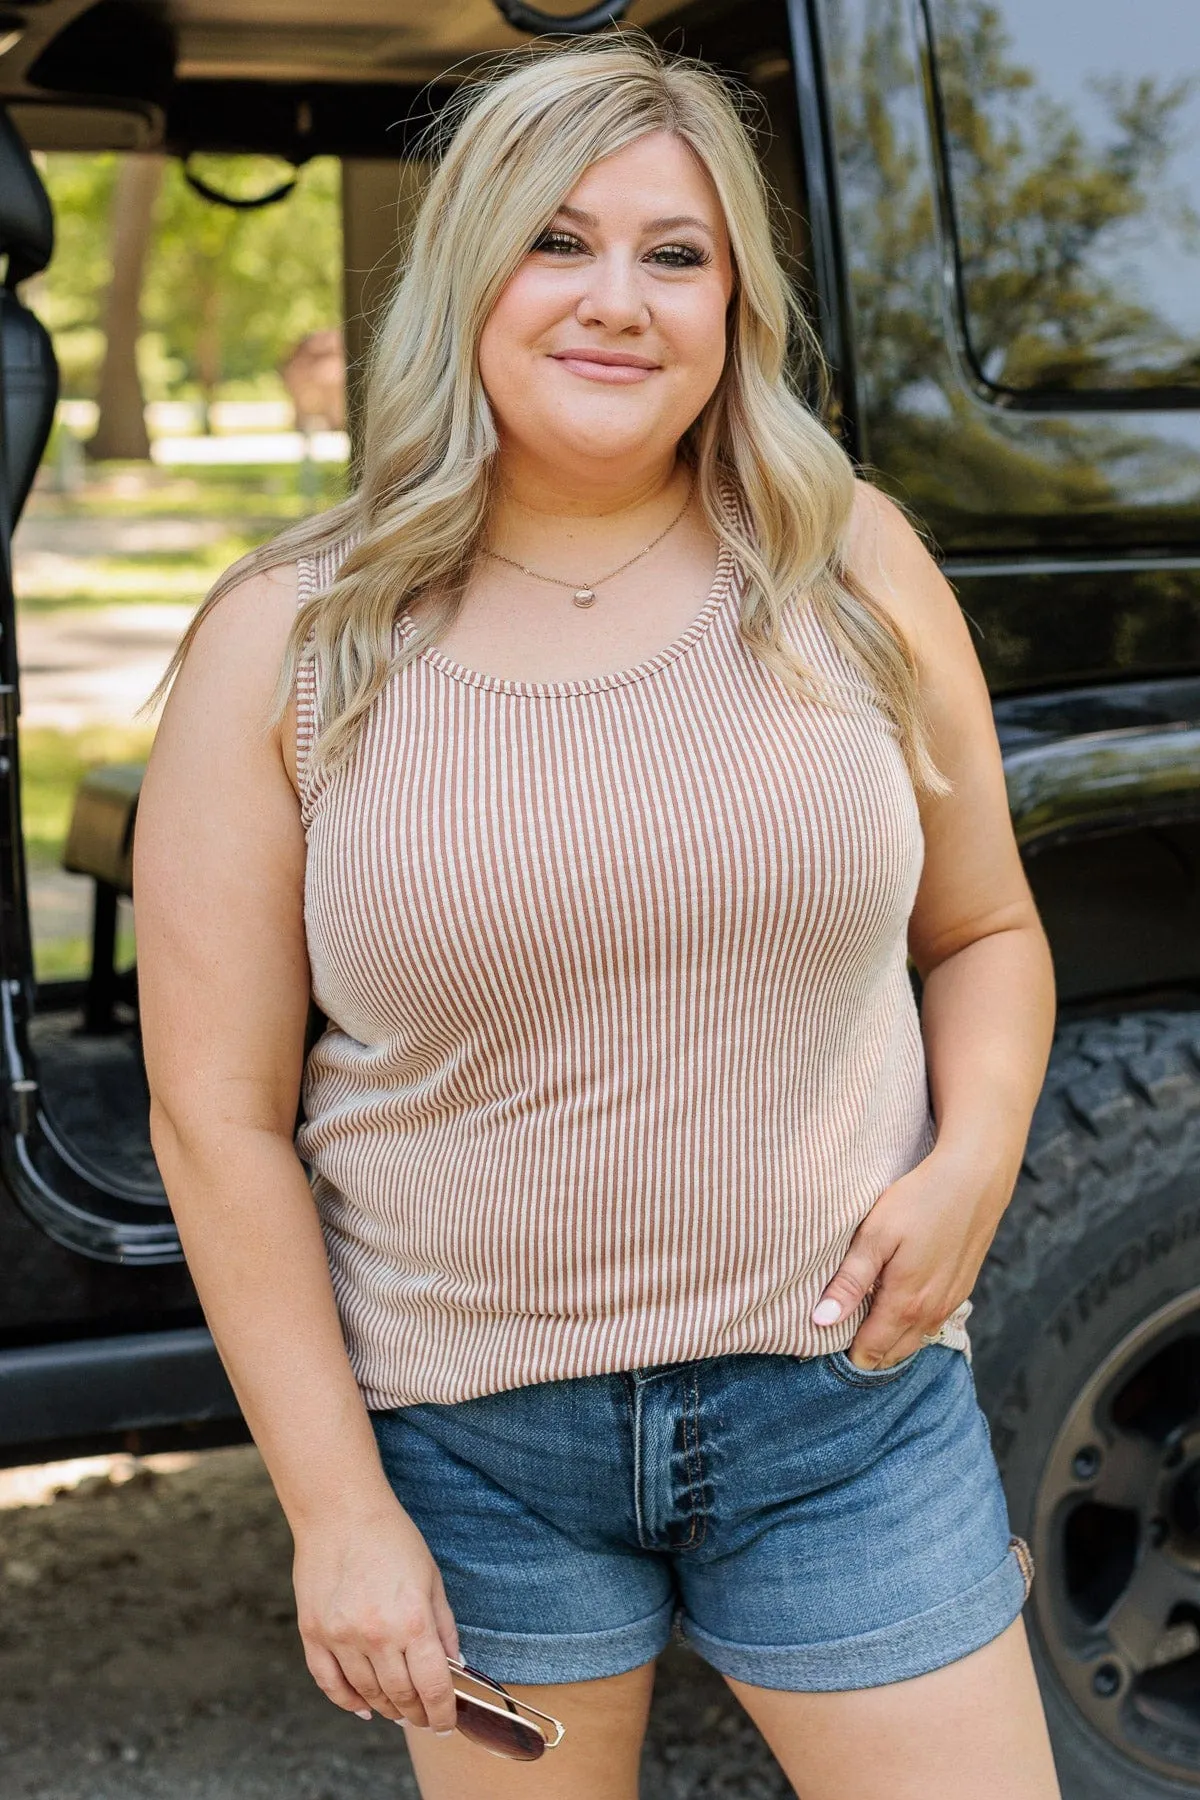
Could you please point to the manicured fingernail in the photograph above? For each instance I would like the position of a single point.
(828, 1312)
(362, 1715)
(443, 1733)
(403, 1722)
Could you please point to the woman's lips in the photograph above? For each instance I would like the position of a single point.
(619, 374)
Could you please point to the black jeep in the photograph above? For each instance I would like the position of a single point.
(993, 211)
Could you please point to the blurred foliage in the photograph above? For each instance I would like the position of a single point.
(227, 294)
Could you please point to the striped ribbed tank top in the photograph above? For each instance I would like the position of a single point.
(621, 1043)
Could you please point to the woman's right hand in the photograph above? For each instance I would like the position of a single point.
(374, 1618)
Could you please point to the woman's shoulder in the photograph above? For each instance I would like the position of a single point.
(889, 557)
(248, 614)
(256, 599)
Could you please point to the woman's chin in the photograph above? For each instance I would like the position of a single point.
(595, 445)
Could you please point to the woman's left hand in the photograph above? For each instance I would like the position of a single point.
(917, 1253)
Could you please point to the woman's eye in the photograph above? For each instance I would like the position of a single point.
(680, 256)
(667, 256)
(559, 243)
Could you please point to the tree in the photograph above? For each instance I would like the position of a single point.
(226, 295)
(231, 293)
(70, 295)
(121, 430)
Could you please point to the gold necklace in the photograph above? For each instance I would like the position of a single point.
(585, 592)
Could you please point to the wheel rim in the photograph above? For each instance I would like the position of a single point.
(1116, 1536)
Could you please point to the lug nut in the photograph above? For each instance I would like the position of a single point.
(1107, 1680)
(1087, 1463)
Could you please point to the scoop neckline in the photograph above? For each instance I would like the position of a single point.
(724, 581)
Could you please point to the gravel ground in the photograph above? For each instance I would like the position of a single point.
(148, 1651)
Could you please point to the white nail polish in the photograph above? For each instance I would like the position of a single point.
(828, 1312)
(362, 1715)
(443, 1734)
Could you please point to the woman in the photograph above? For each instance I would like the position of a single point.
(597, 763)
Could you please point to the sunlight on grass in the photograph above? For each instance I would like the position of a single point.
(124, 580)
(270, 492)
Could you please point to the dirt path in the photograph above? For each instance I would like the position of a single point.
(148, 1651)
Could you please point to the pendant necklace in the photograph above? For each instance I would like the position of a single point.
(585, 592)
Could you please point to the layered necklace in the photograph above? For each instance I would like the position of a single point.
(584, 592)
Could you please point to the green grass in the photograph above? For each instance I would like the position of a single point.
(60, 958)
(69, 958)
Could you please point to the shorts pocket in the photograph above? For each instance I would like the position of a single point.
(838, 1363)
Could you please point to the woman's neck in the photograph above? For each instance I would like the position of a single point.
(535, 513)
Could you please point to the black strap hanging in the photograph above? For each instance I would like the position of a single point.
(531, 19)
(201, 187)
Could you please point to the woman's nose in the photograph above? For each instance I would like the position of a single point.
(614, 296)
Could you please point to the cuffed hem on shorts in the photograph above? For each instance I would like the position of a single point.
(583, 1656)
(897, 1652)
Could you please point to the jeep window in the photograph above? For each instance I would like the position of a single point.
(1069, 137)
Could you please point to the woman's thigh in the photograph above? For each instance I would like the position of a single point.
(597, 1759)
(972, 1730)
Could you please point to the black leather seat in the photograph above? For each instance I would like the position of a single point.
(28, 369)
(100, 840)
(28, 391)
(102, 829)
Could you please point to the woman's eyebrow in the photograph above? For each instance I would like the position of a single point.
(675, 220)
(666, 224)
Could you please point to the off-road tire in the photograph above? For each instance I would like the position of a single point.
(1103, 1232)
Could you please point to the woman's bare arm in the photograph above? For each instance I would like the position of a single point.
(987, 1009)
(224, 986)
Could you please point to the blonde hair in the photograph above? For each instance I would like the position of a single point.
(514, 142)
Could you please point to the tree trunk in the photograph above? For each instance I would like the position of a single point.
(209, 347)
(121, 431)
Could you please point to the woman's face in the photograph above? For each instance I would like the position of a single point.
(610, 337)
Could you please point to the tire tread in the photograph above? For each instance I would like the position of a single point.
(1121, 1101)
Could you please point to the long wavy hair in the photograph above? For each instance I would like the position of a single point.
(504, 155)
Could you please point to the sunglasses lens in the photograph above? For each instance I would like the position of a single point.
(503, 1734)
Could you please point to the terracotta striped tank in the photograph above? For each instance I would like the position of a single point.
(622, 1044)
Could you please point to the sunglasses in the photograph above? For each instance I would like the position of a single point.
(496, 1722)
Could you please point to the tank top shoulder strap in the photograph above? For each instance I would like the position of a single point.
(734, 503)
(314, 573)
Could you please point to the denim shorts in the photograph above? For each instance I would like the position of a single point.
(801, 1523)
